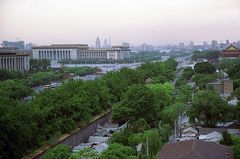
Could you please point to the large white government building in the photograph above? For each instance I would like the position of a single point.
(58, 52)
(14, 60)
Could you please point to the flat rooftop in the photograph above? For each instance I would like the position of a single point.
(62, 46)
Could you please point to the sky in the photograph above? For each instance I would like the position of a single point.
(156, 22)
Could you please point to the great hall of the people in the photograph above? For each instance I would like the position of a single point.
(58, 52)
(18, 60)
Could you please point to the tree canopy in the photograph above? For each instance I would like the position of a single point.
(204, 68)
(208, 107)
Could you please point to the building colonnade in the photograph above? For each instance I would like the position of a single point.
(54, 54)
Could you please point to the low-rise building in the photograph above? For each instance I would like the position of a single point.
(14, 60)
(223, 87)
(59, 52)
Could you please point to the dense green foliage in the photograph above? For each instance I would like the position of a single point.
(204, 72)
(202, 79)
(59, 152)
(5, 75)
(187, 73)
(234, 71)
(37, 65)
(153, 139)
(208, 107)
(44, 77)
(137, 102)
(209, 55)
(85, 154)
(57, 111)
(226, 64)
(227, 139)
(50, 113)
(14, 89)
(81, 71)
(204, 68)
(236, 147)
(117, 151)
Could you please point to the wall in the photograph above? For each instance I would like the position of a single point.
(78, 136)
(82, 135)
(228, 86)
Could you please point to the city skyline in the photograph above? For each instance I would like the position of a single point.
(154, 21)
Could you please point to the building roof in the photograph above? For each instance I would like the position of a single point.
(205, 131)
(231, 48)
(15, 52)
(195, 149)
(190, 129)
(214, 134)
(63, 46)
(231, 51)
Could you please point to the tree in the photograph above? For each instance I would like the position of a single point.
(209, 107)
(5, 75)
(121, 137)
(37, 65)
(202, 79)
(171, 112)
(86, 153)
(236, 146)
(205, 54)
(234, 71)
(117, 151)
(227, 139)
(187, 73)
(204, 68)
(118, 82)
(184, 93)
(237, 93)
(163, 94)
(15, 89)
(59, 152)
(138, 102)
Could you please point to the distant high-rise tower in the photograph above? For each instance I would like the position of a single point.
(98, 44)
(109, 41)
(126, 44)
(105, 43)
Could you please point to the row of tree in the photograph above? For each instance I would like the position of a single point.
(28, 125)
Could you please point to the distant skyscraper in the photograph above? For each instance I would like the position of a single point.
(190, 46)
(227, 43)
(214, 45)
(98, 44)
(125, 44)
(181, 46)
(110, 42)
(205, 45)
(105, 44)
(14, 45)
(28, 46)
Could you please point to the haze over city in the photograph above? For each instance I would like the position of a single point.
(136, 21)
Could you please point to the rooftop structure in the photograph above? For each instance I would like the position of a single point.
(20, 45)
(231, 52)
(195, 149)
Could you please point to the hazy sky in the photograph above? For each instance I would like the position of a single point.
(135, 21)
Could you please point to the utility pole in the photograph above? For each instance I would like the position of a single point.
(175, 129)
(147, 150)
